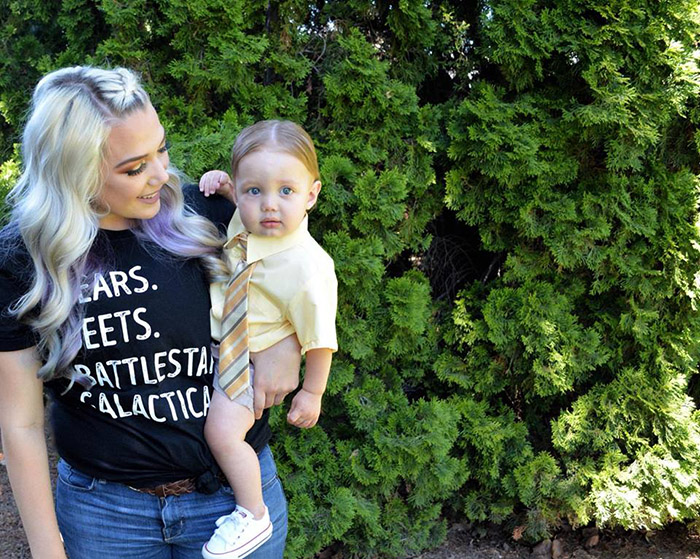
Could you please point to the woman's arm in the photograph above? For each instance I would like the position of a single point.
(24, 444)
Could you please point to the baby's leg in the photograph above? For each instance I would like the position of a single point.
(225, 429)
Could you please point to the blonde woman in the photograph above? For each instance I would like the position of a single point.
(104, 301)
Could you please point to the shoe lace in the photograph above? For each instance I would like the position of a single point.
(230, 527)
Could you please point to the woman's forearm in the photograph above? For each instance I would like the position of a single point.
(24, 443)
(28, 470)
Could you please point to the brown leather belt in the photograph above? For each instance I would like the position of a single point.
(174, 488)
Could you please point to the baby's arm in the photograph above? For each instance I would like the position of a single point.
(216, 182)
(306, 405)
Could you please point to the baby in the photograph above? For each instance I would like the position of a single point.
(292, 290)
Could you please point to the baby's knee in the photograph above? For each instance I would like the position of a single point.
(223, 438)
(227, 420)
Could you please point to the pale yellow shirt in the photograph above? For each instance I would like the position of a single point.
(293, 289)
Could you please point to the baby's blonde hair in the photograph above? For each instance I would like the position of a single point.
(284, 135)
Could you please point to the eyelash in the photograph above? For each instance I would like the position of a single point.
(141, 168)
(137, 171)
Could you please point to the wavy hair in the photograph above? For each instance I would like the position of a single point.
(54, 204)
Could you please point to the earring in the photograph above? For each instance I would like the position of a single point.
(98, 207)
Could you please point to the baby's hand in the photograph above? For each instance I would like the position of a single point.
(216, 181)
(306, 407)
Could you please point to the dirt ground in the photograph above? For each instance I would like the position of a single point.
(672, 543)
(463, 541)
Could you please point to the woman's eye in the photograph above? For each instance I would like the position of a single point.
(140, 169)
(286, 190)
(165, 148)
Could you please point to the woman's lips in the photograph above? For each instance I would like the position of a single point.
(150, 198)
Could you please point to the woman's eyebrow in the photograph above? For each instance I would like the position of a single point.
(130, 160)
(137, 157)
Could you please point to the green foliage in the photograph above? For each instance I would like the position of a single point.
(557, 381)
(563, 160)
(9, 173)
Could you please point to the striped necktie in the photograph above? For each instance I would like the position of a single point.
(234, 373)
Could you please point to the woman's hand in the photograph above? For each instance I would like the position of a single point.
(276, 373)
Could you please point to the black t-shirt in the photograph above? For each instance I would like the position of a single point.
(146, 344)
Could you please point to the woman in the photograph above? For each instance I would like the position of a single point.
(104, 294)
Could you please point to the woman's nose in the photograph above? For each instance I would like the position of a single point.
(160, 173)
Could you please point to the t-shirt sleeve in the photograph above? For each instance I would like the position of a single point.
(312, 312)
(215, 208)
(14, 283)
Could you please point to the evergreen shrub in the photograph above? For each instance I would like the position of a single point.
(510, 198)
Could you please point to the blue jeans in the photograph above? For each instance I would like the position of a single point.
(99, 518)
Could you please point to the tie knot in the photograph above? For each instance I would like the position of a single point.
(241, 241)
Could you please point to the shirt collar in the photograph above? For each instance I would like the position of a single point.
(261, 247)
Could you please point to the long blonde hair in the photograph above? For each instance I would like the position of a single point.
(54, 203)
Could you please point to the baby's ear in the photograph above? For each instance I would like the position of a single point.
(313, 194)
(234, 192)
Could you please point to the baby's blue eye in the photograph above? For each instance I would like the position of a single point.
(255, 190)
(286, 190)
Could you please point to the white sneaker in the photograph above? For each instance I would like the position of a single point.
(237, 535)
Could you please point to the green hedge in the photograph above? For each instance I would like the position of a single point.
(510, 196)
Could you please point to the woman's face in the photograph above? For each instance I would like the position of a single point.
(134, 169)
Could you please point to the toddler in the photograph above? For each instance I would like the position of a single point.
(292, 290)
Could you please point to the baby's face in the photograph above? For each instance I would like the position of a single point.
(273, 191)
